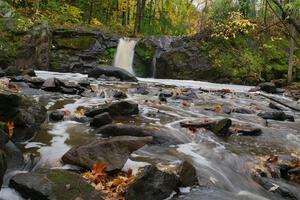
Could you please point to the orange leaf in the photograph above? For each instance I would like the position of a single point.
(218, 109)
(98, 168)
(129, 172)
(10, 127)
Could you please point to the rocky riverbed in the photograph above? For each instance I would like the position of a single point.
(184, 139)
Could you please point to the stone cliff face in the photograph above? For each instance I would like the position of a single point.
(76, 51)
(81, 51)
(174, 58)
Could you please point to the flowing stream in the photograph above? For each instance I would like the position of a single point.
(220, 163)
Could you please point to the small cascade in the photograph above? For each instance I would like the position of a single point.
(125, 53)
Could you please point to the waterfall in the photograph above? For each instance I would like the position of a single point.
(125, 53)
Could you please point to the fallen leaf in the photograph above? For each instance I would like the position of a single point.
(10, 127)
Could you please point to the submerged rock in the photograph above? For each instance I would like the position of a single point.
(218, 127)
(152, 184)
(245, 130)
(101, 120)
(117, 72)
(276, 115)
(286, 191)
(242, 111)
(122, 108)
(119, 95)
(56, 116)
(112, 151)
(3, 166)
(142, 91)
(53, 185)
(187, 174)
(159, 136)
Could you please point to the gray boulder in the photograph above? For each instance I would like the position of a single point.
(112, 151)
(122, 108)
(117, 72)
(152, 184)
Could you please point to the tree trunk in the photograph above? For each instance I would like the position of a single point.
(91, 11)
(291, 55)
(285, 15)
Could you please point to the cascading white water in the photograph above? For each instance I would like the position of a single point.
(125, 53)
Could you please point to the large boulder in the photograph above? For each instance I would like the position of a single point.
(152, 184)
(53, 185)
(101, 120)
(162, 136)
(24, 111)
(3, 166)
(112, 151)
(117, 72)
(121, 108)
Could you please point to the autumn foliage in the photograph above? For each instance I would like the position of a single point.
(113, 186)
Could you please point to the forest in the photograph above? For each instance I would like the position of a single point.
(149, 99)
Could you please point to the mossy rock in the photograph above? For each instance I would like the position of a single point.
(108, 56)
(53, 185)
(75, 43)
(143, 57)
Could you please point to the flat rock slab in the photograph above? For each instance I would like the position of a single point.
(161, 136)
(53, 185)
(122, 108)
(117, 72)
(112, 151)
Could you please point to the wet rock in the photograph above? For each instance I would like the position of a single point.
(3, 138)
(52, 84)
(268, 87)
(2, 73)
(52, 185)
(286, 191)
(166, 94)
(122, 108)
(14, 156)
(84, 83)
(24, 111)
(243, 111)
(152, 184)
(162, 97)
(112, 151)
(276, 115)
(220, 127)
(187, 174)
(275, 106)
(119, 95)
(159, 136)
(256, 89)
(142, 91)
(101, 120)
(245, 130)
(56, 116)
(71, 91)
(280, 83)
(122, 74)
(3, 166)
(294, 171)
